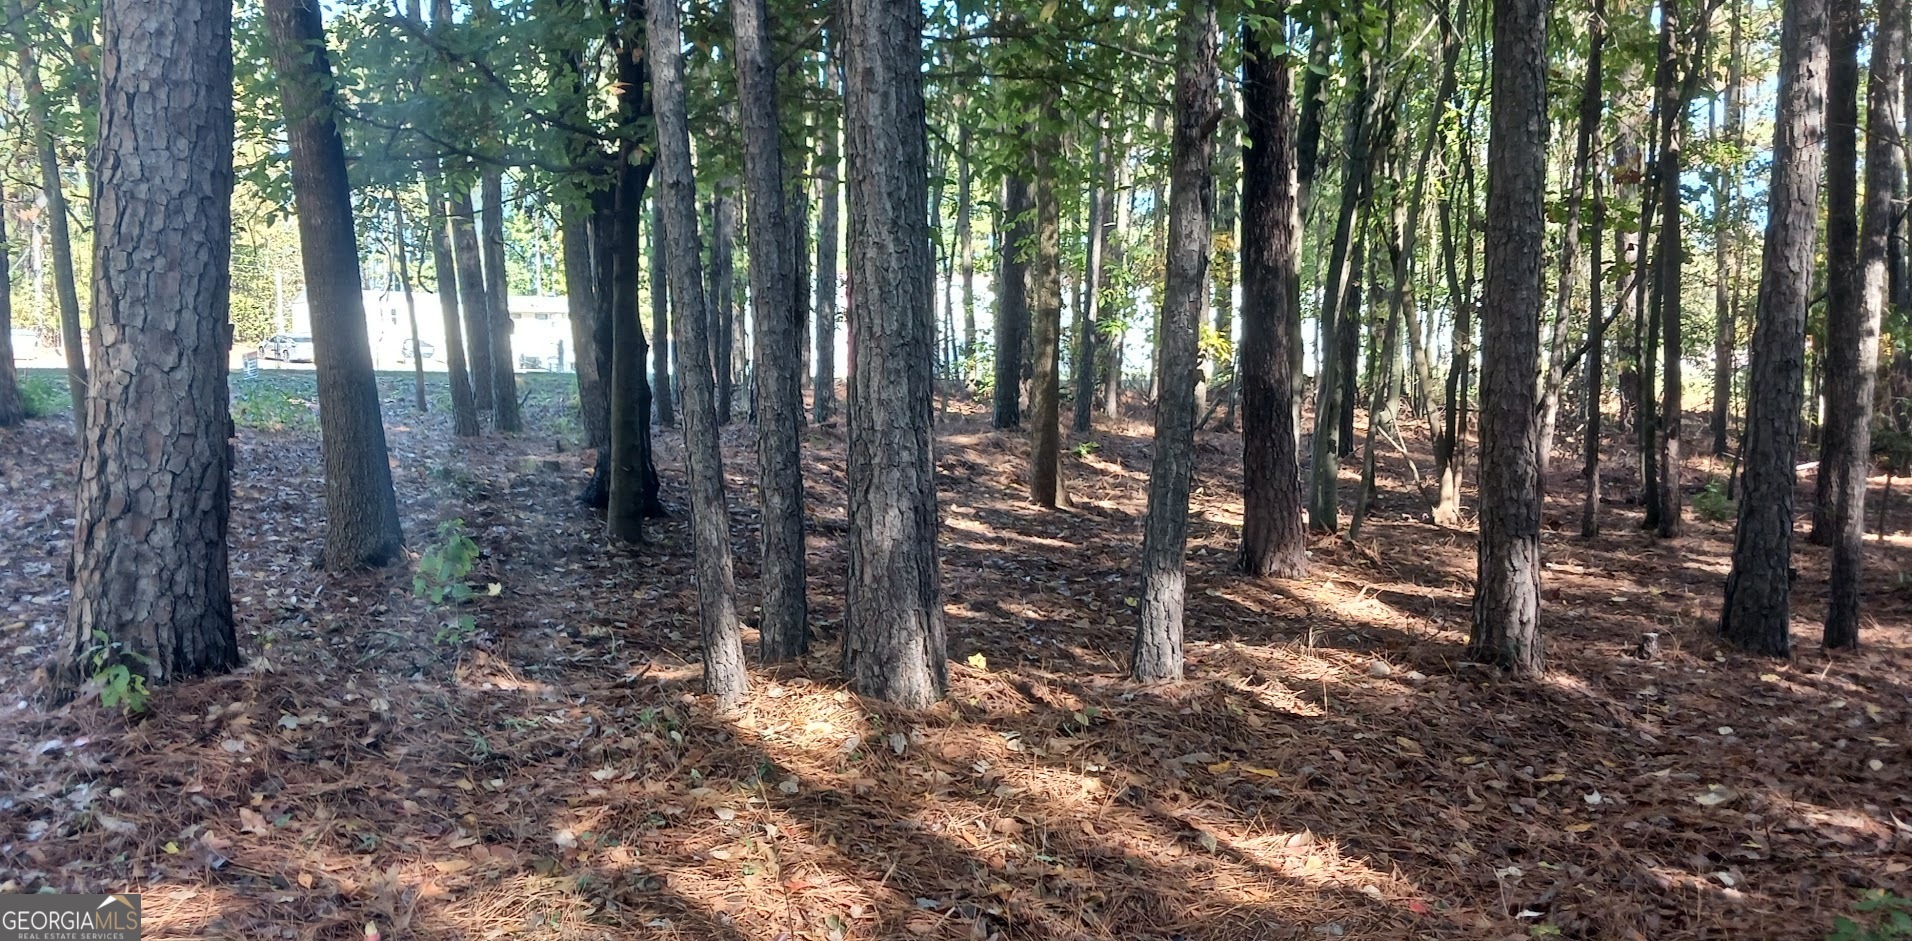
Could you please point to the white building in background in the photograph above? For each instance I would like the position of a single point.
(540, 330)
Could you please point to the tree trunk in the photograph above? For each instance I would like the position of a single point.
(1273, 541)
(1045, 283)
(894, 646)
(12, 409)
(1114, 328)
(361, 511)
(661, 348)
(1348, 345)
(1157, 655)
(151, 584)
(1382, 390)
(498, 303)
(464, 408)
(411, 305)
(966, 251)
(725, 676)
(630, 478)
(1758, 603)
(580, 287)
(1852, 393)
(1089, 316)
(723, 228)
(1012, 302)
(475, 297)
(1590, 102)
(1324, 512)
(1725, 193)
(1596, 364)
(784, 628)
(824, 390)
(1844, 268)
(1507, 593)
(64, 288)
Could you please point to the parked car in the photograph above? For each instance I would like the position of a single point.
(287, 347)
(425, 348)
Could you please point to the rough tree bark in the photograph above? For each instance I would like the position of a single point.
(580, 287)
(1045, 331)
(361, 510)
(1157, 655)
(1273, 540)
(894, 647)
(1844, 269)
(464, 407)
(151, 586)
(1507, 593)
(474, 297)
(725, 676)
(629, 476)
(784, 628)
(1758, 607)
(720, 293)
(1596, 364)
(823, 390)
(504, 380)
(1852, 394)
(1012, 301)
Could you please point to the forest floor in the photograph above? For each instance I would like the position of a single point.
(1332, 768)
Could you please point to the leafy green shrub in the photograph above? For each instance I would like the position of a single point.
(1887, 917)
(1713, 505)
(120, 688)
(44, 397)
(440, 579)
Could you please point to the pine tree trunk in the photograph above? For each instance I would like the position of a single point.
(725, 676)
(823, 391)
(474, 297)
(1012, 302)
(1844, 269)
(1725, 193)
(504, 380)
(1852, 393)
(1507, 593)
(65, 290)
(411, 304)
(149, 554)
(12, 409)
(361, 510)
(894, 647)
(1596, 364)
(1045, 282)
(1324, 511)
(661, 348)
(1089, 313)
(1157, 656)
(1758, 604)
(1116, 331)
(1590, 101)
(464, 408)
(580, 286)
(630, 485)
(784, 628)
(965, 250)
(723, 232)
(1273, 540)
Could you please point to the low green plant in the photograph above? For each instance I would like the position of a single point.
(1085, 449)
(439, 578)
(264, 405)
(1713, 505)
(120, 688)
(1883, 917)
(43, 397)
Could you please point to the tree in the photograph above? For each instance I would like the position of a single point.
(12, 409)
(504, 380)
(774, 290)
(1758, 608)
(823, 389)
(1844, 268)
(1507, 593)
(631, 488)
(151, 584)
(464, 407)
(1045, 330)
(361, 510)
(1158, 638)
(1012, 300)
(1089, 313)
(474, 298)
(411, 305)
(724, 674)
(1273, 540)
(723, 352)
(1850, 395)
(660, 322)
(894, 647)
(39, 125)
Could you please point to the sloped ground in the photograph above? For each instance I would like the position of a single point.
(1332, 768)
